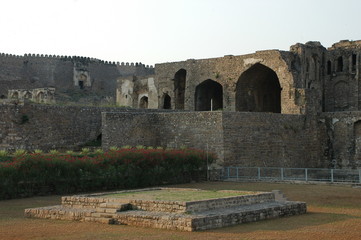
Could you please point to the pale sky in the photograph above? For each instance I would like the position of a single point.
(156, 31)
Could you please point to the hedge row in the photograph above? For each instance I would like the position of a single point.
(34, 174)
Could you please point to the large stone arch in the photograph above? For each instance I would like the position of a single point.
(208, 96)
(179, 88)
(258, 90)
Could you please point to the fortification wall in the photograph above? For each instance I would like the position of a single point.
(32, 126)
(190, 129)
(246, 139)
(341, 135)
(270, 140)
(40, 71)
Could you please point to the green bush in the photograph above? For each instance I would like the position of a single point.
(37, 173)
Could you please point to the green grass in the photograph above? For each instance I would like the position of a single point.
(177, 195)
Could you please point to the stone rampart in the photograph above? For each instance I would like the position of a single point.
(34, 126)
(238, 138)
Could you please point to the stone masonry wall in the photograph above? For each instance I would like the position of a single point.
(245, 139)
(341, 135)
(270, 140)
(39, 71)
(190, 129)
(226, 71)
(32, 126)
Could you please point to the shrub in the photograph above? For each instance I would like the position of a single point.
(85, 151)
(126, 147)
(32, 174)
(38, 151)
(98, 151)
(19, 152)
(54, 152)
(4, 153)
(113, 148)
(4, 156)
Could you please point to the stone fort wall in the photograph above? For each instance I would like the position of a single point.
(246, 139)
(40, 71)
(36, 126)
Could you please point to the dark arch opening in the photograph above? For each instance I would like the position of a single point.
(167, 102)
(179, 88)
(99, 138)
(15, 95)
(28, 95)
(258, 90)
(209, 96)
(339, 64)
(143, 103)
(329, 67)
(354, 61)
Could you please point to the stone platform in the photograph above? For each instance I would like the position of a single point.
(174, 215)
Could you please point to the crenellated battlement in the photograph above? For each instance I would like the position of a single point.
(29, 56)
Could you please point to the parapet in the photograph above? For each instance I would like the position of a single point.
(346, 44)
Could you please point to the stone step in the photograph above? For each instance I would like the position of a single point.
(119, 206)
(279, 196)
(103, 215)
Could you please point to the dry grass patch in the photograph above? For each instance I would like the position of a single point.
(334, 213)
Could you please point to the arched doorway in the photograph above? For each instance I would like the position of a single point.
(209, 96)
(40, 98)
(28, 95)
(167, 101)
(179, 88)
(143, 103)
(258, 90)
(15, 95)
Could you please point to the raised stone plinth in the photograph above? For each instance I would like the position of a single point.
(193, 215)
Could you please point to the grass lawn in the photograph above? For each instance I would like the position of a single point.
(334, 212)
(183, 195)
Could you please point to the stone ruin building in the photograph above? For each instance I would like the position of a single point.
(37, 95)
(77, 80)
(296, 108)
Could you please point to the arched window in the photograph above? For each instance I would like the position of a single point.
(329, 70)
(339, 64)
(167, 101)
(179, 88)
(354, 61)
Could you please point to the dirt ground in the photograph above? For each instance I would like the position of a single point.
(334, 212)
